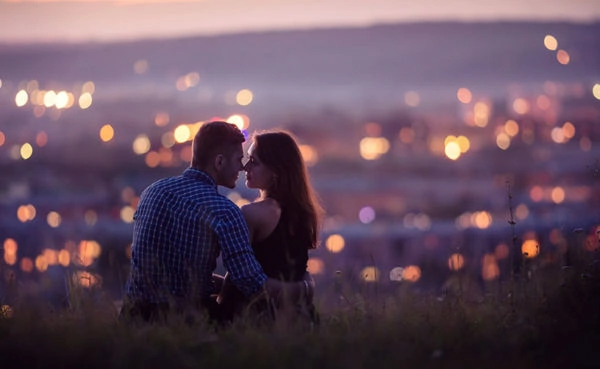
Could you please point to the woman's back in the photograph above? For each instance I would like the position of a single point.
(282, 255)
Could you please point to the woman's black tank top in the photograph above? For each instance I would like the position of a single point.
(281, 255)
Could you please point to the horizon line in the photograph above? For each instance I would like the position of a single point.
(236, 32)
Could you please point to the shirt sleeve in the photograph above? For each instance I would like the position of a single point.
(238, 257)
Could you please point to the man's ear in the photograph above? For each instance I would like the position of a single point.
(219, 162)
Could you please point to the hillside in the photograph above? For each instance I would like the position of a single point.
(315, 64)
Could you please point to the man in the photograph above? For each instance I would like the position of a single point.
(182, 224)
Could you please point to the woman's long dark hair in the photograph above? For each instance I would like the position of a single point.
(291, 186)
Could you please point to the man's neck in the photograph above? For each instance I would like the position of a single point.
(209, 171)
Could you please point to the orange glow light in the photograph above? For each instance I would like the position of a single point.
(162, 119)
(452, 150)
(482, 219)
(596, 91)
(464, 143)
(370, 274)
(456, 261)
(127, 214)
(107, 133)
(407, 135)
(550, 42)
(411, 273)
(522, 211)
(481, 114)
(373, 129)
(26, 265)
(26, 213)
(152, 159)
(64, 258)
(335, 243)
(88, 251)
(85, 100)
(244, 97)
(21, 98)
(88, 87)
(464, 95)
(240, 120)
(141, 144)
(558, 195)
(182, 133)
(568, 130)
(41, 139)
(41, 264)
(543, 102)
(536, 193)
(521, 106)
(503, 141)
(316, 266)
(85, 279)
(489, 267)
(563, 57)
(10, 259)
(10, 246)
(511, 128)
(530, 248)
(372, 148)
(51, 256)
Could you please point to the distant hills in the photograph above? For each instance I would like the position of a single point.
(340, 65)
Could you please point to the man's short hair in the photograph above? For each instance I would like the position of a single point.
(215, 138)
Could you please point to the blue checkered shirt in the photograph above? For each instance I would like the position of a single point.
(181, 224)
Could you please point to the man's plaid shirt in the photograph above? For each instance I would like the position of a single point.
(180, 226)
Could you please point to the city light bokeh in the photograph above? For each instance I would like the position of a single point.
(413, 177)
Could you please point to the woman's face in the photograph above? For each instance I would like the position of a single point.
(258, 175)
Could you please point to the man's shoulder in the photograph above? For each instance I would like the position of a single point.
(193, 193)
(181, 185)
(163, 183)
(225, 210)
(226, 205)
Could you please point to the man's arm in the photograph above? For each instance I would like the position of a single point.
(238, 257)
(245, 271)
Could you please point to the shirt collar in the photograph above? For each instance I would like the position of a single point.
(200, 176)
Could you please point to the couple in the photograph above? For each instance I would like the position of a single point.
(182, 224)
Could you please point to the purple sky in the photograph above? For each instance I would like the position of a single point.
(85, 20)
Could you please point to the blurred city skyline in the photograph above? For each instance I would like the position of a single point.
(33, 21)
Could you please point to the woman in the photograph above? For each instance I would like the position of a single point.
(284, 221)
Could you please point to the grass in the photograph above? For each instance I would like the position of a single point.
(529, 322)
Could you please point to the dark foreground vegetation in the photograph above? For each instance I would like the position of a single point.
(534, 319)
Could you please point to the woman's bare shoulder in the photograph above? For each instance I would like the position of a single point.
(249, 211)
(263, 208)
(262, 217)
